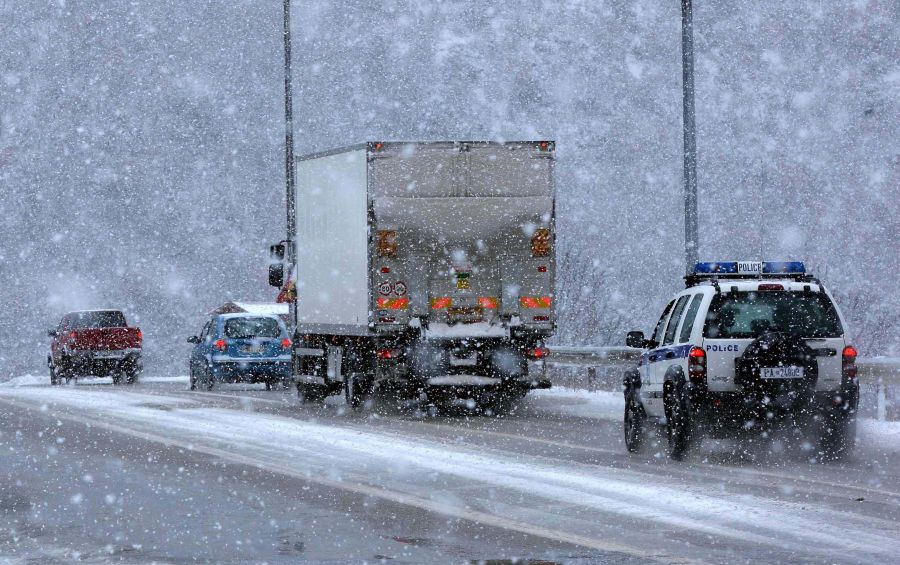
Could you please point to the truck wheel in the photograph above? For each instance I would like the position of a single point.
(356, 389)
(54, 377)
(311, 394)
(131, 376)
(634, 424)
(117, 378)
(679, 422)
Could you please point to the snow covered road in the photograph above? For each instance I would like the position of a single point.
(555, 473)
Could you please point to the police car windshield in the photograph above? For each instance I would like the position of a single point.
(743, 315)
(247, 328)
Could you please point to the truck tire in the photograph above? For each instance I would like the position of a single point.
(311, 394)
(355, 390)
(54, 377)
(117, 378)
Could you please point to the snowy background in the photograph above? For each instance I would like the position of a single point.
(141, 145)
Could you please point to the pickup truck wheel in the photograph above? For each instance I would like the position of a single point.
(54, 377)
(117, 378)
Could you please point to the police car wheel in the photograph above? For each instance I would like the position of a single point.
(679, 424)
(838, 437)
(633, 425)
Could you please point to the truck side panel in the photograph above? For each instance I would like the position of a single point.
(332, 244)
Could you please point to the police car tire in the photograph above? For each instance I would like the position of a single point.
(679, 423)
(633, 425)
(838, 437)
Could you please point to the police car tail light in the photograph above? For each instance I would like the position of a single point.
(697, 365)
(849, 362)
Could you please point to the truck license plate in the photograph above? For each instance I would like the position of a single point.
(782, 372)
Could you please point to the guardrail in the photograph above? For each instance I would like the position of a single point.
(878, 372)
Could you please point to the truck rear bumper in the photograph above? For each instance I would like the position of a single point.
(102, 363)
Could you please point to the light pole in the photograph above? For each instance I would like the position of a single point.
(289, 154)
(691, 228)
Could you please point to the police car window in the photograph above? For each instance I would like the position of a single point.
(745, 315)
(673, 321)
(689, 318)
(657, 333)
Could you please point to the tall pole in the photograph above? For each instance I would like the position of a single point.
(691, 227)
(289, 155)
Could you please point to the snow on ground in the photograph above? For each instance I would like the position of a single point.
(599, 404)
(417, 466)
(26, 380)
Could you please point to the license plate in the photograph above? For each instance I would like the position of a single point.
(251, 349)
(782, 372)
(108, 354)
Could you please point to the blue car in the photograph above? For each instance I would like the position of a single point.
(246, 348)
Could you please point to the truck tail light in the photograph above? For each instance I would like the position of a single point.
(286, 343)
(388, 353)
(220, 344)
(539, 353)
(488, 302)
(536, 301)
(770, 286)
(697, 365)
(73, 334)
(384, 303)
(441, 303)
(540, 243)
(848, 365)
(140, 336)
(387, 243)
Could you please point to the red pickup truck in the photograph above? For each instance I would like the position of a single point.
(97, 343)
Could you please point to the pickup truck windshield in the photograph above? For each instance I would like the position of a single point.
(98, 319)
(745, 315)
(247, 328)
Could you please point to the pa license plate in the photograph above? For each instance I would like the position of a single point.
(782, 372)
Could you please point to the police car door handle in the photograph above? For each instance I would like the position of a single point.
(670, 354)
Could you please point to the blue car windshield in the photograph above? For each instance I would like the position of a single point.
(248, 328)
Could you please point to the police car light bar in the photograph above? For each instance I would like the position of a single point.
(749, 268)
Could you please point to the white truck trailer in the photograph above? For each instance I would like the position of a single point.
(424, 270)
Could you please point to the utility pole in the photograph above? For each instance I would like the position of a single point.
(691, 225)
(289, 166)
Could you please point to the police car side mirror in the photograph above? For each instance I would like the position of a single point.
(276, 274)
(635, 339)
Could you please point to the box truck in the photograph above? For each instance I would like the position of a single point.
(422, 270)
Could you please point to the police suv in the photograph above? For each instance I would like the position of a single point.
(747, 346)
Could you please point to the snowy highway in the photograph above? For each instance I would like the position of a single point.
(157, 473)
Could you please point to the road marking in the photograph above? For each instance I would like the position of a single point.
(368, 490)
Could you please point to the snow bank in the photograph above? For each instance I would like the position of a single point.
(27, 380)
(597, 404)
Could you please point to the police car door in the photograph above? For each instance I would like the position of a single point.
(668, 354)
(650, 388)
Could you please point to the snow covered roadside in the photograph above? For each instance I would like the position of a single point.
(44, 380)
(467, 478)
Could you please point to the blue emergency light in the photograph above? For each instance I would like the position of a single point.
(750, 268)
